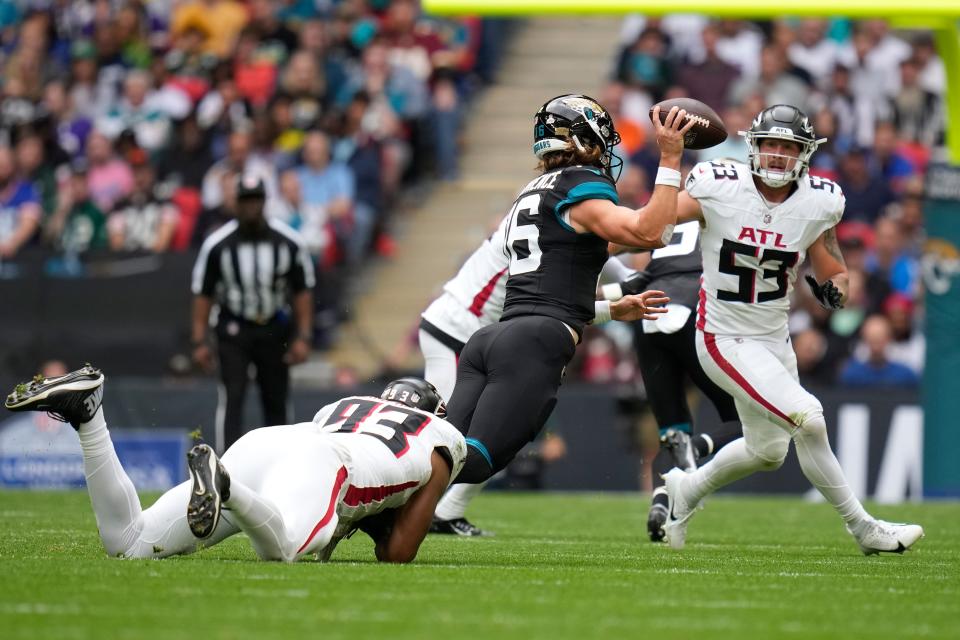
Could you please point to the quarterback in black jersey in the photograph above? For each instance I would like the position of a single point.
(556, 240)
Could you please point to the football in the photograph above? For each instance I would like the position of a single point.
(708, 131)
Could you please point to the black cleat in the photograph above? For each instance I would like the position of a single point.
(458, 527)
(656, 518)
(74, 397)
(681, 449)
(211, 487)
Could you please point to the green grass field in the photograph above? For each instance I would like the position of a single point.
(561, 566)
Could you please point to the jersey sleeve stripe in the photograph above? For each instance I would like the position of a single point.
(479, 300)
(331, 508)
(581, 192)
(356, 496)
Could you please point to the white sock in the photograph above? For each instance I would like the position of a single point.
(730, 464)
(112, 494)
(455, 501)
(823, 471)
(263, 523)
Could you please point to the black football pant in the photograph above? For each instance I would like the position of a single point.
(666, 361)
(264, 346)
(507, 382)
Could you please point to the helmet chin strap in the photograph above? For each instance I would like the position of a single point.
(578, 144)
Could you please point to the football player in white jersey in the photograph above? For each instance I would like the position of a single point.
(375, 464)
(759, 222)
(473, 299)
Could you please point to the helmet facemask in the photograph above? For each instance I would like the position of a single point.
(787, 123)
(772, 177)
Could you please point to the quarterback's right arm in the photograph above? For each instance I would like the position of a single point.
(652, 225)
(413, 519)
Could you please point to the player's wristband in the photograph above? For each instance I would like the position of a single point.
(612, 291)
(666, 235)
(601, 312)
(668, 177)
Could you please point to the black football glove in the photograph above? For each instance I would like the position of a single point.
(632, 285)
(826, 294)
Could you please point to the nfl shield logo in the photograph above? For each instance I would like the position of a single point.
(767, 218)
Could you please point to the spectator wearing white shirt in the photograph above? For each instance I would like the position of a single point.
(137, 112)
(813, 52)
(740, 44)
(239, 161)
(933, 75)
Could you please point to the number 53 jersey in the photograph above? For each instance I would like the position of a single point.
(386, 448)
(752, 250)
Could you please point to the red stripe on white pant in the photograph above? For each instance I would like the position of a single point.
(711, 341)
(331, 506)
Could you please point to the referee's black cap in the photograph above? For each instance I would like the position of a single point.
(251, 187)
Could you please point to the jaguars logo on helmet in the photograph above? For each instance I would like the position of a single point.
(781, 122)
(416, 393)
(578, 120)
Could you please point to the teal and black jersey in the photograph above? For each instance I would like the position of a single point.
(553, 269)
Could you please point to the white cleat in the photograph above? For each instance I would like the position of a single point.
(678, 511)
(887, 537)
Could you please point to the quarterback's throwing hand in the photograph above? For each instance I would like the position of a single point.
(826, 294)
(670, 134)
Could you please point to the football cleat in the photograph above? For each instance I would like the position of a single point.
(679, 511)
(74, 397)
(681, 449)
(458, 527)
(211, 487)
(887, 537)
(656, 517)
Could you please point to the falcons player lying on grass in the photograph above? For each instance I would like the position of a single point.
(375, 464)
(759, 222)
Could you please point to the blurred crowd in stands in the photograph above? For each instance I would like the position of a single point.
(123, 121)
(876, 95)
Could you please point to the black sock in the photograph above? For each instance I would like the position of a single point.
(660, 497)
(702, 445)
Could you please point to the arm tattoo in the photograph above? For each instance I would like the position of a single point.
(832, 246)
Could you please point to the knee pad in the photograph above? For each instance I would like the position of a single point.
(771, 454)
(812, 423)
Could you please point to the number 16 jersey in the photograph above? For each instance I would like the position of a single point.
(752, 250)
(553, 269)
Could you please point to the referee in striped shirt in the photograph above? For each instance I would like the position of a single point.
(260, 276)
